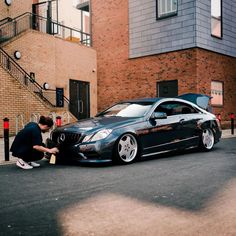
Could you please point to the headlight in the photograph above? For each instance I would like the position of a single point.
(97, 136)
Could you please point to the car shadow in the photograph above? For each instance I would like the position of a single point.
(182, 179)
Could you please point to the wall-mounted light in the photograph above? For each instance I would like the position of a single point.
(8, 2)
(46, 86)
(17, 55)
(32, 77)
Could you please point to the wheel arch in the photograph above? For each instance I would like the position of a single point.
(207, 138)
(208, 124)
(114, 150)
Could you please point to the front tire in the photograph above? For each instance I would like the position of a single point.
(207, 139)
(126, 149)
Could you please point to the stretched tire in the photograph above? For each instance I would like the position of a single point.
(126, 149)
(207, 139)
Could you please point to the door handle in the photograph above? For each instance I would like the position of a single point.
(82, 106)
(78, 106)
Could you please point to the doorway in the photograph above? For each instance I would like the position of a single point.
(79, 99)
(167, 88)
(43, 14)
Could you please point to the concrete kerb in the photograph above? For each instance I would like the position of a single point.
(225, 134)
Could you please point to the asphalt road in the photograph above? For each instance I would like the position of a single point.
(144, 198)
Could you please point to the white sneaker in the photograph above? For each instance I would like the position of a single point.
(24, 165)
(34, 164)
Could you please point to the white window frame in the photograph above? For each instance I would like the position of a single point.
(166, 8)
(217, 93)
(216, 18)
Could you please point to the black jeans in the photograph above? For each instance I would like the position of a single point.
(31, 156)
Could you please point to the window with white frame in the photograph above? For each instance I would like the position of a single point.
(217, 93)
(216, 18)
(166, 8)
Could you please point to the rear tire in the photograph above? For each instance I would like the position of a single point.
(207, 139)
(126, 149)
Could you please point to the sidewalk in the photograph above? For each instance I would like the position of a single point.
(225, 134)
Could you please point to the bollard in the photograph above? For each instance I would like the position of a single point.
(232, 122)
(6, 138)
(218, 116)
(58, 121)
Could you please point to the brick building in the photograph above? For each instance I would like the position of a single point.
(165, 48)
(57, 58)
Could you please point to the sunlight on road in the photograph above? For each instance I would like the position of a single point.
(113, 215)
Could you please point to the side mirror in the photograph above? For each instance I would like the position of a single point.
(158, 115)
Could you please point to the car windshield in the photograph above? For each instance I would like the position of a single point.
(128, 109)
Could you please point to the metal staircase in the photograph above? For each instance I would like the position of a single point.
(10, 28)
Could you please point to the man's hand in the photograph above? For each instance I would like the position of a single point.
(53, 150)
(44, 149)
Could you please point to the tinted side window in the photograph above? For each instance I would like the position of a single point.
(175, 108)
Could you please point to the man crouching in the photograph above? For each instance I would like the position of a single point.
(28, 144)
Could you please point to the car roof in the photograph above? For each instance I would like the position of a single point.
(143, 100)
(201, 100)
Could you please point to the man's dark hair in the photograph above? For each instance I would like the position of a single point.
(46, 121)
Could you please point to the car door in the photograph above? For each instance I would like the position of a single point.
(189, 119)
(162, 134)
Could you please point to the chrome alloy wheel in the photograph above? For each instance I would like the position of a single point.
(207, 139)
(127, 148)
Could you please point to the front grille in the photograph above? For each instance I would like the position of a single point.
(65, 138)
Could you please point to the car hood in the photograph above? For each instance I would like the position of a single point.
(199, 99)
(96, 123)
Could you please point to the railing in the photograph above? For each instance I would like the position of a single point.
(20, 122)
(13, 27)
(51, 95)
(17, 72)
(5, 20)
(34, 117)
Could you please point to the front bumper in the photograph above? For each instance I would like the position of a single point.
(91, 152)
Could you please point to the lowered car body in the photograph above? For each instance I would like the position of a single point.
(136, 129)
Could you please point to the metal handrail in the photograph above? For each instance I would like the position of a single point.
(17, 72)
(50, 94)
(34, 117)
(28, 20)
(5, 20)
(19, 117)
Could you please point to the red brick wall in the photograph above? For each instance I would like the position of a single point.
(120, 78)
(216, 67)
(110, 39)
